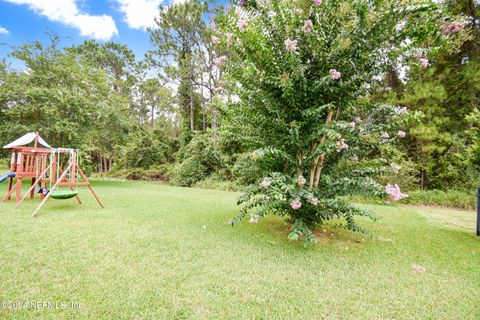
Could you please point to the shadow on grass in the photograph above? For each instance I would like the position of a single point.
(272, 230)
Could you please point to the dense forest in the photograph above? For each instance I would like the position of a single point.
(169, 115)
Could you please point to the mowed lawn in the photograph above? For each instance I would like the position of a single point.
(160, 252)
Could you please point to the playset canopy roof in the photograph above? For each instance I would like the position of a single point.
(25, 140)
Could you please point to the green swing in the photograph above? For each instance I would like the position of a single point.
(63, 194)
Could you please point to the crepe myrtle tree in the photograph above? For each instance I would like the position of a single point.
(303, 71)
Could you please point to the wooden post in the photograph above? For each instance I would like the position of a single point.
(74, 166)
(9, 193)
(19, 171)
(12, 162)
(76, 197)
(36, 139)
(18, 187)
(90, 187)
(54, 168)
(10, 184)
(32, 190)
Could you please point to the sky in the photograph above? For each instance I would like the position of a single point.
(122, 21)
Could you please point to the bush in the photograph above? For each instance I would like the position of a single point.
(155, 173)
(188, 172)
(217, 183)
(247, 170)
(197, 160)
(146, 148)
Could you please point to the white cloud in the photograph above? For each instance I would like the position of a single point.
(66, 11)
(139, 14)
(3, 30)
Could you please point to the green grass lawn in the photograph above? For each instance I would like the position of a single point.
(163, 252)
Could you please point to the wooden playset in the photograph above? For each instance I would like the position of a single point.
(48, 168)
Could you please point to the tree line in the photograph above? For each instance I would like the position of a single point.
(169, 114)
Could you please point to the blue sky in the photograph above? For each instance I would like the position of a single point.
(122, 21)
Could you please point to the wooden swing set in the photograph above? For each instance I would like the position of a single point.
(48, 168)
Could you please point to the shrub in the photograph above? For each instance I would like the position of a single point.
(304, 209)
(214, 182)
(145, 148)
(246, 170)
(188, 172)
(313, 63)
(197, 160)
(155, 173)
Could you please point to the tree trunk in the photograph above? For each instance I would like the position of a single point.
(204, 124)
(213, 115)
(153, 115)
(192, 112)
(299, 163)
(192, 102)
(316, 170)
(422, 179)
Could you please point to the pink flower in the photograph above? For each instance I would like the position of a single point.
(243, 3)
(394, 192)
(401, 134)
(266, 182)
(341, 145)
(220, 61)
(352, 124)
(317, 2)
(457, 26)
(335, 75)
(307, 26)
(296, 204)
(218, 90)
(423, 63)
(241, 25)
(358, 120)
(215, 40)
(385, 135)
(453, 27)
(291, 45)
(419, 54)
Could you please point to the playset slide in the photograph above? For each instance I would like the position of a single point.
(7, 175)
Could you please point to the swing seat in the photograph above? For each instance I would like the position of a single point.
(60, 195)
